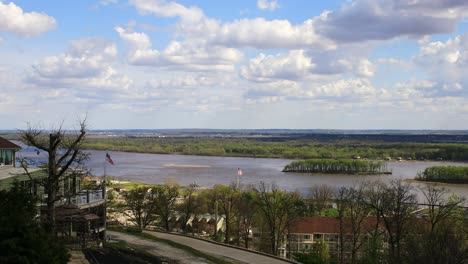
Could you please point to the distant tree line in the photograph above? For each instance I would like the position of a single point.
(340, 166)
(291, 149)
(449, 174)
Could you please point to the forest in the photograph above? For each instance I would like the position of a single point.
(286, 148)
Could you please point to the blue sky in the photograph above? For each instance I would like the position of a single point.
(349, 64)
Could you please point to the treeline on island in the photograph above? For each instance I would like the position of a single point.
(448, 174)
(290, 149)
(341, 166)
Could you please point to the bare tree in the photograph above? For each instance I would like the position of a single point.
(278, 209)
(320, 196)
(394, 204)
(351, 213)
(439, 208)
(64, 151)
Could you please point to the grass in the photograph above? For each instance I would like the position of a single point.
(121, 252)
(173, 244)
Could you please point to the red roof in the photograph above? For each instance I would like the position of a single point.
(6, 144)
(327, 225)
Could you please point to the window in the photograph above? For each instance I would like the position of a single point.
(317, 236)
(306, 237)
(6, 156)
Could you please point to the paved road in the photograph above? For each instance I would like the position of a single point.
(167, 253)
(214, 249)
(174, 255)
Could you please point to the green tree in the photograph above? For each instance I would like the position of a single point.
(227, 197)
(142, 210)
(22, 239)
(190, 204)
(163, 201)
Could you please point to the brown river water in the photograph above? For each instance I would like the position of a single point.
(207, 171)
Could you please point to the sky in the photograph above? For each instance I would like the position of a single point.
(245, 64)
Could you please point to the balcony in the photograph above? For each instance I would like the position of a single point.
(83, 199)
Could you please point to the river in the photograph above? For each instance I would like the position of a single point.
(207, 171)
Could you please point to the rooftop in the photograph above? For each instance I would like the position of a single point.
(6, 144)
(325, 224)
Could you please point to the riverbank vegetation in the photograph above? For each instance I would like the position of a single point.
(341, 166)
(447, 174)
(282, 148)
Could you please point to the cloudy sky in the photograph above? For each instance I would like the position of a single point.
(338, 64)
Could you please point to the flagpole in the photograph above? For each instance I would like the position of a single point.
(105, 199)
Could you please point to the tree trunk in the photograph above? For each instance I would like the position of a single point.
(52, 182)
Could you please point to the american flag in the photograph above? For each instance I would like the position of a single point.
(239, 172)
(109, 159)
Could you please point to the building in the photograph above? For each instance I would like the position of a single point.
(8, 151)
(307, 231)
(80, 212)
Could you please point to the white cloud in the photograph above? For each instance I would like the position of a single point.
(14, 20)
(86, 64)
(168, 9)
(301, 65)
(192, 55)
(267, 4)
(293, 65)
(350, 89)
(108, 2)
(335, 92)
(445, 62)
(257, 33)
(134, 40)
(365, 68)
(391, 61)
(269, 34)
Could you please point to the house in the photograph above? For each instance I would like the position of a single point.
(8, 151)
(80, 213)
(306, 231)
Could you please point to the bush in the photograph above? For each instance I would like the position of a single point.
(133, 230)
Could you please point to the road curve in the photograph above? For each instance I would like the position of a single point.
(220, 250)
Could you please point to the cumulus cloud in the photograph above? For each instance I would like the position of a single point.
(86, 64)
(445, 62)
(14, 20)
(348, 89)
(363, 20)
(293, 65)
(267, 4)
(356, 90)
(257, 33)
(193, 55)
(306, 65)
(269, 34)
